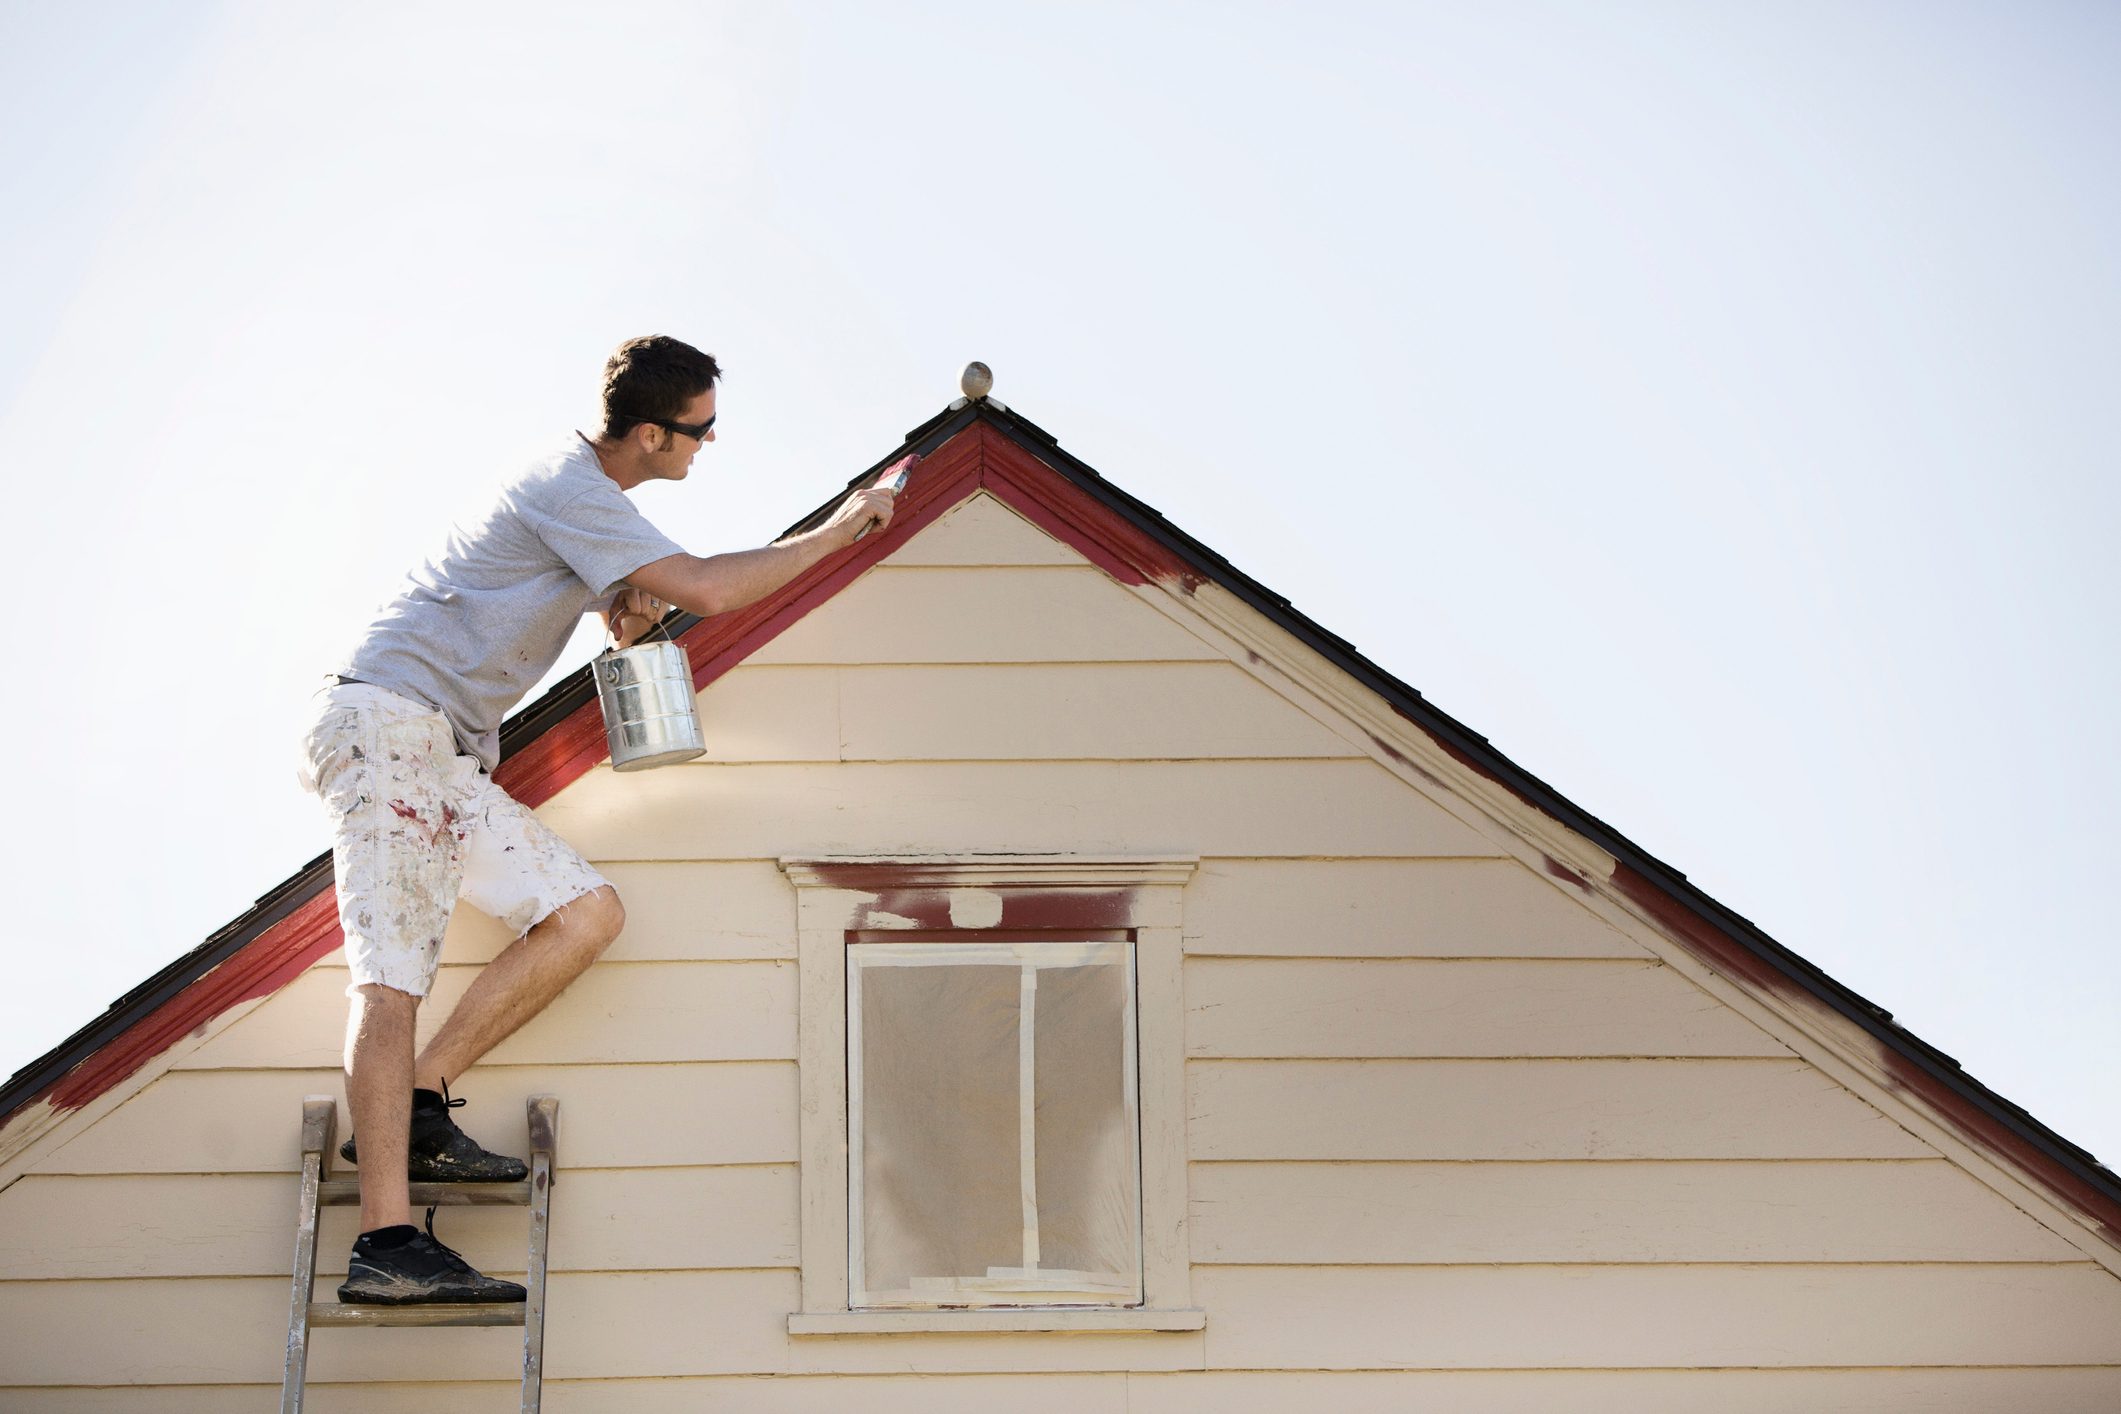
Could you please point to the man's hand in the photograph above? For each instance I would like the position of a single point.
(863, 507)
(632, 613)
(859, 514)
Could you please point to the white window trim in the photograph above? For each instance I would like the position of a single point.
(1143, 895)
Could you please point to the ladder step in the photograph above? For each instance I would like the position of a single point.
(491, 1313)
(346, 1192)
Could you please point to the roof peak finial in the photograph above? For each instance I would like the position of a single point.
(977, 380)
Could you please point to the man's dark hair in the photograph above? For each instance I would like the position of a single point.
(651, 379)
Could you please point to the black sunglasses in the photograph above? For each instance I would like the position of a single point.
(697, 431)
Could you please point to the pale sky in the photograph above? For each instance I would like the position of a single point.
(1713, 405)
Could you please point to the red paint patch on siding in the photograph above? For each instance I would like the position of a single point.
(1403, 759)
(1027, 909)
(1068, 908)
(1563, 872)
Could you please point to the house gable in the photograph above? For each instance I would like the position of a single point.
(1425, 1029)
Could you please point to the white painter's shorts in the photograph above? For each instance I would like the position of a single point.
(418, 826)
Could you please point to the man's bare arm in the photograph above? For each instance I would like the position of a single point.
(719, 583)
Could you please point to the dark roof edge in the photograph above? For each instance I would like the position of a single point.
(572, 692)
(41, 1074)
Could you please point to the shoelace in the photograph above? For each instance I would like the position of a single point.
(442, 1247)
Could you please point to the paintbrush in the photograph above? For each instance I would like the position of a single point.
(893, 479)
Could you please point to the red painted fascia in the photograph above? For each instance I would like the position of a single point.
(1063, 510)
(264, 965)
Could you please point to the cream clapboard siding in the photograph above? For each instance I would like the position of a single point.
(1456, 1144)
(2049, 1391)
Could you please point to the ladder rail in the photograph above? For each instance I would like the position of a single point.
(544, 1135)
(320, 1122)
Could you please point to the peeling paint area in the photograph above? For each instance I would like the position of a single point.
(947, 907)
(1564, 873)
(975, 908)
(1403, 759)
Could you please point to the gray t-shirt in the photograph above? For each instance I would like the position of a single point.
(474, 628)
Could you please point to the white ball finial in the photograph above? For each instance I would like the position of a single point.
(977, 380)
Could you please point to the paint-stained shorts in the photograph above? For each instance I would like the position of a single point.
(417, 827)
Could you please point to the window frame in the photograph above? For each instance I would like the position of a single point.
(1017, 897)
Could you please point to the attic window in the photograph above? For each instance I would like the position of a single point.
(992, 1095)
(993, 1153)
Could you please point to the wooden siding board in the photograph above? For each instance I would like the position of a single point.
(1389, 908)
(1607, 1212)
(637, 1116)
(2067, 1391)
(231, 1330)
(982, 531)
(1029, 615)
(606, 1325)
(1199, 807)
(753, 1394)
(771, 714)
(1532, 1109)
(1402, 1007)
(72, 1227)
(1849, 1391)
(1076, 711)
(614, 1012)
(676, 910)
(1615, 1317)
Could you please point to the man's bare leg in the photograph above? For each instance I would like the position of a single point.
(379, 1068)
(516, 986)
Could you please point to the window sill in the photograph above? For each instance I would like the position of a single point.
(963, 1322)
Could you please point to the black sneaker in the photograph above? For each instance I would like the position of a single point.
(422, 1272)
(439, 1152)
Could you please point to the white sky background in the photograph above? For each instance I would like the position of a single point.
(1712, 405)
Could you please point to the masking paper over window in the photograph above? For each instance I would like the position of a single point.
(993, 1138)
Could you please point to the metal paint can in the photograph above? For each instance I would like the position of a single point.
(651, 717)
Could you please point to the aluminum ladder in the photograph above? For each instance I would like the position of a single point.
(320, 1122)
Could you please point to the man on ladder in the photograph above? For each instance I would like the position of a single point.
(405, 735)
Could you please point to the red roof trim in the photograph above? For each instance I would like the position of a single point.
(267, 963)
(1057, 506)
